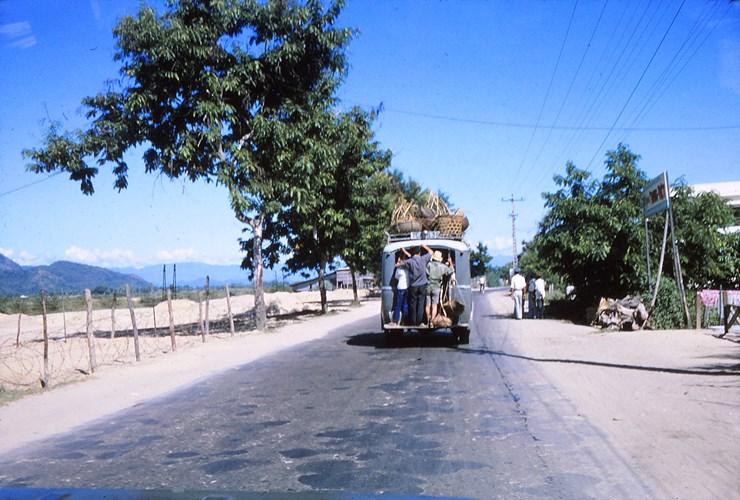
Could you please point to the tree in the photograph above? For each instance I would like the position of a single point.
(368, 197)
(709, 257)
(591, 234)
(209, 88)
(479, 259)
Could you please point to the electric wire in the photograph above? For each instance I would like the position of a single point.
(549, 88)
(19, 188)
(637, 84)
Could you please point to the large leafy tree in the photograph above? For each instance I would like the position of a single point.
(208, 88)
(364, 193)
(479, 260)
(591, 234)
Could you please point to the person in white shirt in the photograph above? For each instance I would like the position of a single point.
(539, 284)
(400, 302)
(518, 284)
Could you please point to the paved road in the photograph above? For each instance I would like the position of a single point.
(348, 413)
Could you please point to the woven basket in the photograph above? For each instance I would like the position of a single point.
(408, 226)
(451, 225)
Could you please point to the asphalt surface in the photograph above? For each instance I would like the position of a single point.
(349, 412)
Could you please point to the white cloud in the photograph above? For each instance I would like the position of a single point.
(20, 34)
(178, 255)
(95, 7)
(499, 244)
(729, 64)
(24, 43)
(8, 252)
(15, 30)
(26, 259)
(115, 257)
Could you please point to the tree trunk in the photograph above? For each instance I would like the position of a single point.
(260, 311)
(356, 300)
(322, 284)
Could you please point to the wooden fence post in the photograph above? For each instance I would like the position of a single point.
(200, 317)
(45, 377)
(208, 326)
(154, 314)
(64, 317)
(90, 338)
(133, 323)
(698, 310)
(113, 317)
(228, 308)
(172, 320)
(18, 335)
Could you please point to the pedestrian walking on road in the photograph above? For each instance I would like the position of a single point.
(416, 265)
(518, 284)
(539, 297)
(531, 297)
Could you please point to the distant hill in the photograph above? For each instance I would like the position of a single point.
(194, 274)
(60, 276)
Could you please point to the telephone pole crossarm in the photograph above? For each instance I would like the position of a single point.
(513, 216)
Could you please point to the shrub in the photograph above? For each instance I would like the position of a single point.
(668, 313)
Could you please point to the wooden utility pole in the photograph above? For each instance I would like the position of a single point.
(513, 215)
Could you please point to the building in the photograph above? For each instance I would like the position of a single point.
(339, 278)
(730, 192)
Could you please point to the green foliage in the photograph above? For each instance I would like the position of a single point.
(213, 90)
(668, 312)
(592, 237)
(709, 258)
(479, 259)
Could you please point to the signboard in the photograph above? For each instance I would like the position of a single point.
(656, 196)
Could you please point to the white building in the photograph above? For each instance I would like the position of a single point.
(729, 191)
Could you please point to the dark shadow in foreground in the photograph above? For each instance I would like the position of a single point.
(708, 370)
(395, 341)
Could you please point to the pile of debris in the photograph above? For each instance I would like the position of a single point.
(628, 313)
(435, 215)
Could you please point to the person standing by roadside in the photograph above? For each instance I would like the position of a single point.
(416, 265)
(531, 296)
(518, 284)
(400, 299)
(540, 285)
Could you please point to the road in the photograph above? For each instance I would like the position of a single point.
(347, 412)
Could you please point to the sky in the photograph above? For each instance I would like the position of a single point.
(484, 100)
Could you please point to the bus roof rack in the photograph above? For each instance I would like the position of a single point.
(421, 235)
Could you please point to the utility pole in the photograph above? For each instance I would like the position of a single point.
(513, 216)
(174, 280)
(164, 281)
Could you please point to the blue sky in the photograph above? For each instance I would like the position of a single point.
(480, 100)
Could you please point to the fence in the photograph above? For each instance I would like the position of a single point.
(56, 348)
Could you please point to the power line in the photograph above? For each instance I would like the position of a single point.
(549, 87)
(524, 125)
(637, 84)
(30, 184)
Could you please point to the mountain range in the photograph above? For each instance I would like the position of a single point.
(192, 274)
(61, 276)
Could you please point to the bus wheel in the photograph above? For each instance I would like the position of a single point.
(462, 335)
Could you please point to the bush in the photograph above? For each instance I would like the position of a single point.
(668, 313)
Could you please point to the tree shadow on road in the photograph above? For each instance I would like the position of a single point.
(385, 341)
(712, 369)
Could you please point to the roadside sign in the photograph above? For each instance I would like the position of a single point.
(656, 196)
